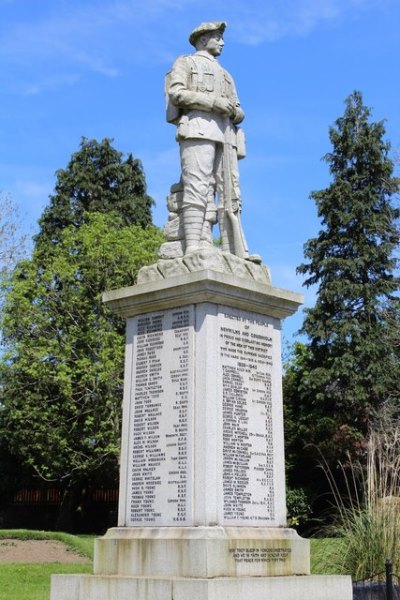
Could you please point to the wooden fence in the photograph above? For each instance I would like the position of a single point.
(53, 496)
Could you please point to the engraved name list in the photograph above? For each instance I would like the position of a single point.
(248, 453)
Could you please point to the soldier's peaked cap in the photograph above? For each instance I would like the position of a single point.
(206, 28)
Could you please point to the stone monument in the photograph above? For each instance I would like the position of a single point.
(203, 104)
(202, 511)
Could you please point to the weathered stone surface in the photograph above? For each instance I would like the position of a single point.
(237, 265)
(174, 200)
(259, 273)
(202, 286)
(202, 552)
(147, 274)
(170, 250)
(207, 257)
(97, 587)
(92, 587)
(172, 267)
(174, 228)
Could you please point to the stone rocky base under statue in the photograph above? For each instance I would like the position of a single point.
(208, 258)
(201, 563)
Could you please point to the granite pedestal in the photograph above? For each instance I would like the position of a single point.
(202, 511)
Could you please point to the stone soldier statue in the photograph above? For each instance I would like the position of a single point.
(203, 103)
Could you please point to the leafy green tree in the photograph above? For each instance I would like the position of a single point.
(348, 368)
(13, 246)
(62, 371)
(13, 242)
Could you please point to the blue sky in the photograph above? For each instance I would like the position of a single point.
(95, 68)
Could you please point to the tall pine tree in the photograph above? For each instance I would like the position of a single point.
(349, 368)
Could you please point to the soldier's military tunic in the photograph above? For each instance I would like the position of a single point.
(192, 87)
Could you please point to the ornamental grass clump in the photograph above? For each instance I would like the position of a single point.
(369, 513)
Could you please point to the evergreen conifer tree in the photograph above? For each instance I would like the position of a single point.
(96, 179)
(349, 367)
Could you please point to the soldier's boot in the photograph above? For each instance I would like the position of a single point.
(193, 220)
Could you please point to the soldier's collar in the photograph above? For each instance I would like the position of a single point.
(205, 54)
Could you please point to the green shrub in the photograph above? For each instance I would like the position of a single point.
(298, 508)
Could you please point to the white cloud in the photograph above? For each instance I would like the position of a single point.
(275, 20)
(88, 33)
(65, 37)
(104, 36)
(46, 83)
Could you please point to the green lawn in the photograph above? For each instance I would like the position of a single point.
(31, 581)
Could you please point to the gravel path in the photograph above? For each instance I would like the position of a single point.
(38, 551)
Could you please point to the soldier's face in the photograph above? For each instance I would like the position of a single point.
(215, 43)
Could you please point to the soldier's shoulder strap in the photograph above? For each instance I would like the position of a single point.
(187, 58)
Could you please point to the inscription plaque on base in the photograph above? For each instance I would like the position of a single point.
(203, 374)
(159, 464)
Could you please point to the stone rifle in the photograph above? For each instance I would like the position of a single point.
(236, 239)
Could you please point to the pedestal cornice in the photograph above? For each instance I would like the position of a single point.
(203, 286)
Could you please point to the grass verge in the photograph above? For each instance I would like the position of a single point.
(31, 581)
(22, 581)
(83, 544)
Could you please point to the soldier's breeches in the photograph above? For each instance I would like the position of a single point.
(200, 163)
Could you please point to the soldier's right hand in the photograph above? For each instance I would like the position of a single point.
(224, 106)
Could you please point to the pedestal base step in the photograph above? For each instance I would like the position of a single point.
(97, 587)
(197, 552)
